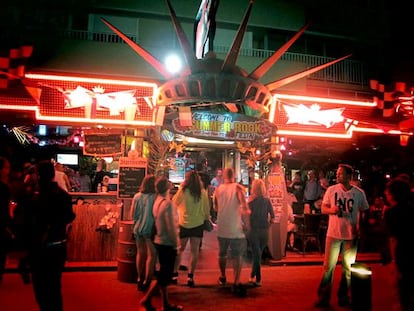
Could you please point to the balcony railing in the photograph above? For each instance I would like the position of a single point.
(346, 72)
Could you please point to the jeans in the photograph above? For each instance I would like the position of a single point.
(348, 250)
(258, 239)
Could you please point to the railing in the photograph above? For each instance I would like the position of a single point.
(107, 37)
(346, 71)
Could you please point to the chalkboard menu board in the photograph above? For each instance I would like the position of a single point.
(131, 173)
(102, 145)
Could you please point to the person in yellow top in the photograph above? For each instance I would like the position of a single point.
(193, 207)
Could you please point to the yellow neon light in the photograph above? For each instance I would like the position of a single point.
(399, 132)
(90, 80)
(204, 141)
(19, 107)
(369, 130)
(272, 110)
(315, 134)
(327, 100)
(101, 121)
(342, 136)
(40, 117)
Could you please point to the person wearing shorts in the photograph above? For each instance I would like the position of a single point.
(232, 223)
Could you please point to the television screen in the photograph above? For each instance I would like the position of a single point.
(67, 158)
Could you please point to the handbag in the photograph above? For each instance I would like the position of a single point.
(207, 225)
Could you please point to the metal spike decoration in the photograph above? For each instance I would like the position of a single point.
(279, 83)
(182, 38)
(141, 51)
(219, 84)
(268, 63)
(233, 53)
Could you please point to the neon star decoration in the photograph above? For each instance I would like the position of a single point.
(313, 115)
(115, 102)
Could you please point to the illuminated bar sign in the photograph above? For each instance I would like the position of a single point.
(131, 173)
(86, 100)
(323, 117)
(221, 126)
(102, 145)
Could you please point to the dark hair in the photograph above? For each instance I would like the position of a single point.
(199, 166)
(148, 184)
(400, 189)
(162, 185)
(228, 173)
(192, 182)
(46, 171)
(347, 168)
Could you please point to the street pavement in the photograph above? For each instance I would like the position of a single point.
(287, 284)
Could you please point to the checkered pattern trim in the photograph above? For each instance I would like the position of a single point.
(13, 63)
(393, 100)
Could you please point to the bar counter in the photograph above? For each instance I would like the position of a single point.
(93, 237)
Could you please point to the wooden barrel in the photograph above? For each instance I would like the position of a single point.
(127, 252)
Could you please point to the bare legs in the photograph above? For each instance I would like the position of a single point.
(237, 266)
(146, 258)
(166, 257)
(140, 258)
(151, 259)
(194, 253)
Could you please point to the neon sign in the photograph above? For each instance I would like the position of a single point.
(313, 115)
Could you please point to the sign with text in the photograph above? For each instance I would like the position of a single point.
(276, 189)
(218, 126)
(131, 173)
(102, 145)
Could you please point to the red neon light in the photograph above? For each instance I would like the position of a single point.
(108, 105)
(350, 126)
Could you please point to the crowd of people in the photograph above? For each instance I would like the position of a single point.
(35, 218)
(166, 223)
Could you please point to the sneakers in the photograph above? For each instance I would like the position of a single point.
(222, 280)
(255, 283)
(190, 280)
(174, 278)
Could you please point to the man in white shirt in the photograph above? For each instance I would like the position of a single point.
(61, 178)
(232, 220)
(343, 203)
